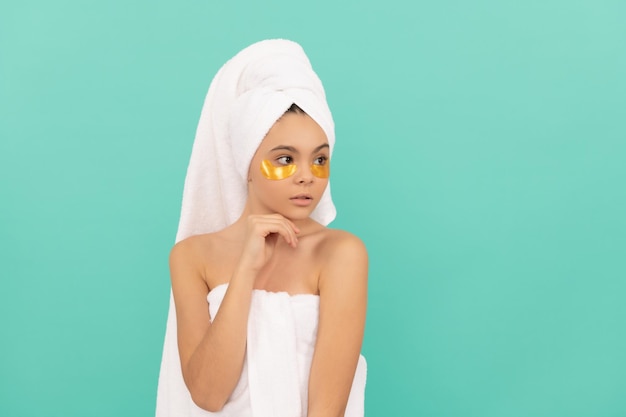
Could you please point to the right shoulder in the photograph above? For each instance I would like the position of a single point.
(189, 254)
(189, 247)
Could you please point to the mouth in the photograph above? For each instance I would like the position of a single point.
(303, 197)
(302, 200)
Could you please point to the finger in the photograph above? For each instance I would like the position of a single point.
(277, 223)
(289, 233)
(289, 229)
(280, 226)
(292, 224)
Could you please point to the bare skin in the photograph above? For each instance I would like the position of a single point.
(273, 246)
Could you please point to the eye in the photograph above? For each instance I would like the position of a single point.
(284, 160)
(320, 160)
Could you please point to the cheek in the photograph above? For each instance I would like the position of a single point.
(271, 172)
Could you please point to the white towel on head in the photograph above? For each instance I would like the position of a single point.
(246, 97)
(248, 94)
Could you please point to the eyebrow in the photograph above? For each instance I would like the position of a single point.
(294, 150)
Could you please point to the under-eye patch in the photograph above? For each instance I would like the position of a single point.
(321, 171)
(272, 172)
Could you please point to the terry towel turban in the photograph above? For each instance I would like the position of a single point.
(248, 94)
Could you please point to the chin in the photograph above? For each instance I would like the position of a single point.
(296, 214)
(296, 217)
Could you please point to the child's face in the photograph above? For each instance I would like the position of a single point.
(289, 171)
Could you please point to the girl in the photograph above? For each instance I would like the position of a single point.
(269, 304)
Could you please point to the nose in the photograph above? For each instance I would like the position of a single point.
(304, 175)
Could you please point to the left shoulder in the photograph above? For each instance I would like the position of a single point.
(339, 243)
(345, 260)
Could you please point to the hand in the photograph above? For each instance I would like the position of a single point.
(263, 232)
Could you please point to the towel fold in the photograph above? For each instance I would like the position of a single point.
(272, 356)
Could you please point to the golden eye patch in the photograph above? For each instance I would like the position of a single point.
(272, 172)
(277, 173)
(321, 171)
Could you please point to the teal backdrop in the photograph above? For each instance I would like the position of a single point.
(481, 156)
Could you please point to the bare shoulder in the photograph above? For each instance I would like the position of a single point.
(345, 260)
(210, 256)
(190, 257)
(338, 244)
(189, 249)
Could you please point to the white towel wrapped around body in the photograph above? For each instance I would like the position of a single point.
(246, 97)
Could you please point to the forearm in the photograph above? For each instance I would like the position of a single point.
(329, 389)
(326, 412)
(214, 368)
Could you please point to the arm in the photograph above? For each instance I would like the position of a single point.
(343, 303)
(212, 353)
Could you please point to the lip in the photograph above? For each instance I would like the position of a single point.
(302, 199)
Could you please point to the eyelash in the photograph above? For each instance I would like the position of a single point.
(288, 160)
(322, 162)
(281, 161)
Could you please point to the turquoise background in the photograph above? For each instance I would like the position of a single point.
(481, 156)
